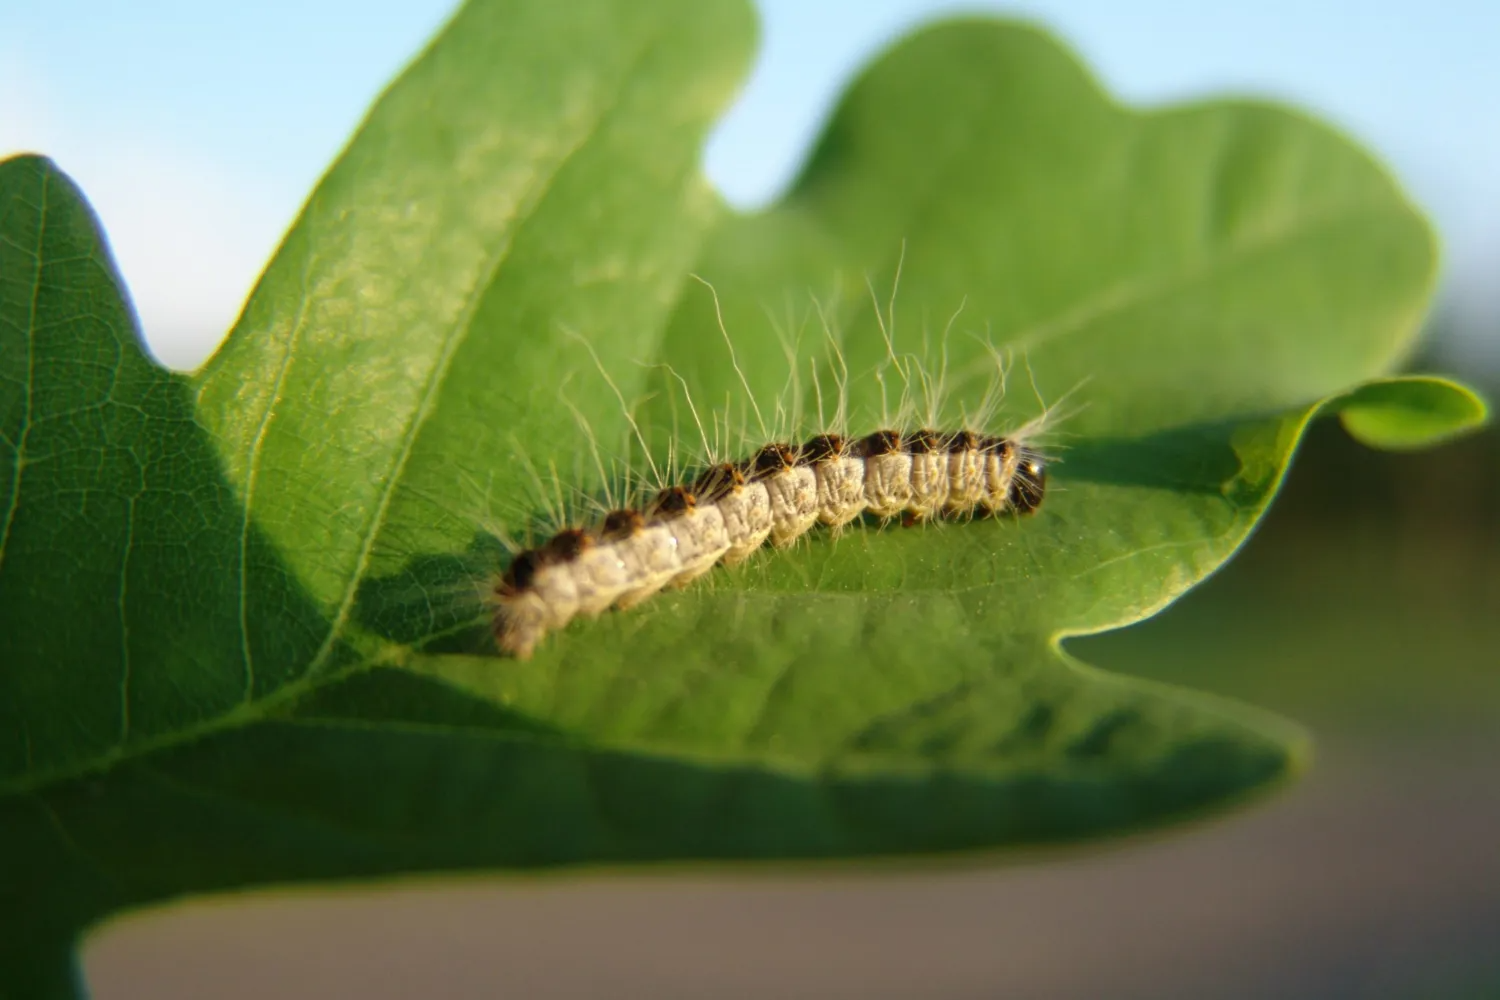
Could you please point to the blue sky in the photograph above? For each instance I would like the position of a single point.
(198, 128)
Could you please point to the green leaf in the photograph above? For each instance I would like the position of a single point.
(231, 605)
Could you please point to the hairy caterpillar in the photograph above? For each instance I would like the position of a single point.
(731, 509)
(906, 469)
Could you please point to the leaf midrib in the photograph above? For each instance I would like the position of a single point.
(252, 478)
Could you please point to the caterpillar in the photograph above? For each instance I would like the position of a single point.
(729, 509)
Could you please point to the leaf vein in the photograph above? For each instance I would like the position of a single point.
(125, 619)
(252, 474)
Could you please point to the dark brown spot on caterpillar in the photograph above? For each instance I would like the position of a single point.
(922, 442)
(823, 448)
(877, 444)
(521, 573)
(620, 524)
(770, 460)
(996, 446)
(672, 501)
(566, 545)
(961, 441)
(718, 481)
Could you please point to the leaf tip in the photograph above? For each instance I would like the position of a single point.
(1411, 412)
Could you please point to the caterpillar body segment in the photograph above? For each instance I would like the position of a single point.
(999, 458)
(965, 473)
(887, 473)
(697, 532)
(929, 473)
(744, 505)
(534, 597)
(599, 575)
(839, 479)
(649, 552)
(792, 488)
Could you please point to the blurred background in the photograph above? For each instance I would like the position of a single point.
(1367, 606)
